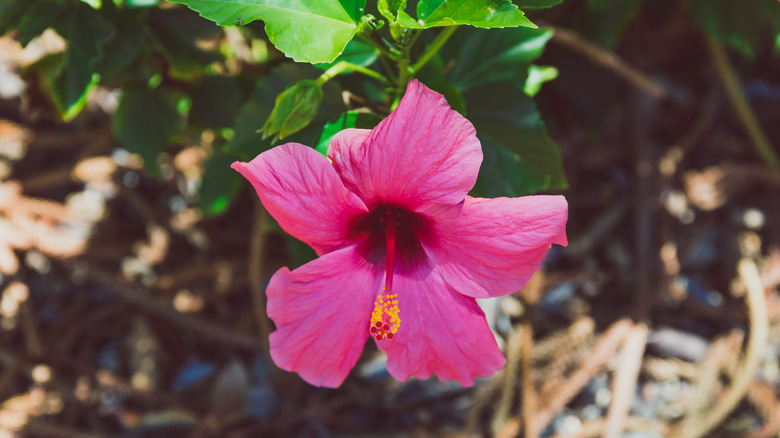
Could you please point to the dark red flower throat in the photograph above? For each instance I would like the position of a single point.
(391, 235)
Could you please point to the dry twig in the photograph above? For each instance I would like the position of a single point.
(556, 397)
(759, 330)
(625, 378)
(706, 383)
(202, 327)
(508, 389)
(609, 60)
(762, 396)
(529, 397)
(595, 427)
(627, 371)
(256, 272)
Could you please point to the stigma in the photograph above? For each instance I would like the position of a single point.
(384, 319)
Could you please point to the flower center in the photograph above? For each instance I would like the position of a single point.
(384, 319)
(389, 226)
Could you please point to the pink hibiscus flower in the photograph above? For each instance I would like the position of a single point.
(403, 251)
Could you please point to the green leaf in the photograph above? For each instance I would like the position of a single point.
(220, 184)
(538, 75)
(739, 24)
(605, 20)
(145, 122)
(39, 17)
(247, 142)
(86, 32)
(432, 75)
(299, 252)
(174, 32)
(11, 12)
(481, 55)
(141, 3)
(294, 109)
(356, 52)
(536, 4)
(349, 119)
(46, 69)
(124, 47)
(389, 8)
(95, 4)
(478, 13)
(215, 101)
(777, 43)
(306, 31)
(520, 157)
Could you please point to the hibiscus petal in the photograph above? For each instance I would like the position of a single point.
(423, 153)
(302, 191)
(321, 311)
(492, 247)
(441, 332)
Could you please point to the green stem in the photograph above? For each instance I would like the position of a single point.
(433, 48)
(740, 104)
(342, 66)
(403, 76)
(388, 69)
(383, 50)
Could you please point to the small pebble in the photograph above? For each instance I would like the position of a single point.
(41, 373)
(37, 261)
(130, 179)
(591, 412)
(568, 425)
(753, 218)
(668, 341)
(603, 397)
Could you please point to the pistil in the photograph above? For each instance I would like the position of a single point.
(384, 319)
(391, 222)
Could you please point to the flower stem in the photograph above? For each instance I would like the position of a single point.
(404, 70)
(391, 221)
(433, 48)
(403, 76)
(342, 66)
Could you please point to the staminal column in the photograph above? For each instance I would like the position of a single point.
(384, 319)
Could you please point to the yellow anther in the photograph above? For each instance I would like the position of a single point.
(384, 319)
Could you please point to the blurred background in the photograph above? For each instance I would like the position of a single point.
(133, 260)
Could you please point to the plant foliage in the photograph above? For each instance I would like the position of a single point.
(256, 72)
